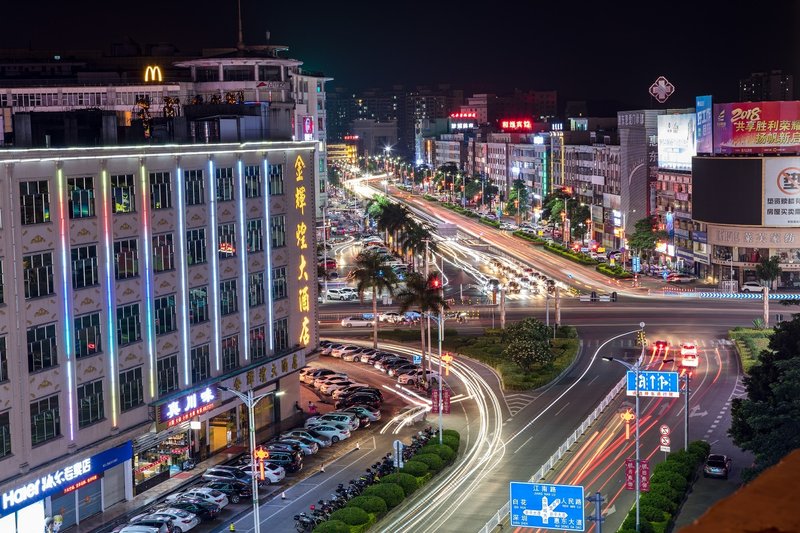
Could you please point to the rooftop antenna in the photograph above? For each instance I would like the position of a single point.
(240, 44)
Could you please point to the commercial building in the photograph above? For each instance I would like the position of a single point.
(134, 281)
(374, 137)
(766, 86)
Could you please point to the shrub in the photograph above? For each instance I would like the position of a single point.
(665, 491)
(415, 468)
(699, 449)
(332, 526)
(445, 452)
(451, 433)
(406, 481)
(678, 466)
(673, 479)
(489, 222)
(352, 516)
(390, 493)
(370, 504)
(613, 271)
(658, 501)
(567, 332)
(432, 461)
(651, 514)
(450, 442)
(644, 525)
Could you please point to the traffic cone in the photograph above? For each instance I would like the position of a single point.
(322, 468)
(232, 527)
(358, 445)
(283, 495)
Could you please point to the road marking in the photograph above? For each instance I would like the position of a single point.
(559, 411)
(523, 444)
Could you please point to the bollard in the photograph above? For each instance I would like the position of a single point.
(232, 527)
(322, 468)
(358, 445)
(283, 495)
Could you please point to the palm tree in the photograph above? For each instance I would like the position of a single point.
(423, 295)
(392, 219)
(413, 241)
(372, 272)
(769, 270)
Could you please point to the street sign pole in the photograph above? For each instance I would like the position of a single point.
(636, 368)
(598, 519)
(686, 415)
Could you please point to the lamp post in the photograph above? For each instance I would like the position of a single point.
(635, 368)
(515, 170)
(250, 401)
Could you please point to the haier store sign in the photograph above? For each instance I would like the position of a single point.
(59, 480)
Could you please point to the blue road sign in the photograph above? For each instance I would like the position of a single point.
(417, 359)
(637, 264)
(653, 383)
(547, 506)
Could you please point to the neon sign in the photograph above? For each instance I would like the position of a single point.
(303, 299)
(464, 115)
(152, 73)
(81, 483)
(186, 407)
(351, 137)
(517, 125)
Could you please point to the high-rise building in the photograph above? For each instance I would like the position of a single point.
(764, 86)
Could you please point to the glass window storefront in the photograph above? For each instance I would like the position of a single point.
(160, 462)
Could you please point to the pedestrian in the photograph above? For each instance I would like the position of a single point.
(297, 407)
(312, 408)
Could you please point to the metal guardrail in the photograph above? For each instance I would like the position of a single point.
(501, 513)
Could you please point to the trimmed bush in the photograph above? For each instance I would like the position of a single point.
(332, 526)
(352, 516)
(580, 258)
(415, 468)
(658, 501)
(699, 450)
(567, 332)
(616, 272)
(450, 442)
(406, 481)
(644, 525)
(370, 504)
(665, 491)
(649, 513)
(528, 237)
(445, 452)
(390, 493)
(433, 461)
(678, 466)
(451, 433)
(673, 479)
(490, 222)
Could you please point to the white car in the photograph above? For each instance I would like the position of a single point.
(689, 354)
(329, 386)
(340, 391)
(359, 410)
(752, 286)
(182, 521)
(203, 493)
(419, 375)
(349, 421)
(272, 472)
(344, 349)
(390, 317)
(340, 294)
(413, 414)
(354, 355)
(332, 432)
(333, 378)
(357, 322)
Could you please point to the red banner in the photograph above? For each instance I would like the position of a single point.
(630, 474)
(435, 401)
(757, 127)
(644, 475)
(446, 401)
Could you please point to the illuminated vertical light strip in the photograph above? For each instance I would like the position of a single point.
(68, 322)
(245, 306)
(112, 336)
(184, 292)
(148, 280)
(270, 324)
(214, 261)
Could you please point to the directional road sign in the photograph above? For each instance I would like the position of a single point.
(654, 383)
(547, 506)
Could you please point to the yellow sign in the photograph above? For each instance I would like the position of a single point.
(153, 73)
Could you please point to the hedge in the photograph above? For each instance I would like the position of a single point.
(332, 526)
(528, 237)
(430, 198)
(406, 481)
(490, 222)
(665, 491)
(432, 461)
(616, 272)
(579, 258)
(352, 516)
(445, 452)
(673, 479)
(650, 513)
(391, 493)
(451, 433)
(658, 501)
(415, 468)
(450, 442)
(370, 504)
(644, 525)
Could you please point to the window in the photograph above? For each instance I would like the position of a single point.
(87, 335)
(45, 420)
(255, 235)
(196, 246)
(81, 197)
(227, 240)
(126, 258)
(201, 364)
(258, 343)
(278, 230)
(3, 360)
(275, 180)
(255, 289)
(252, 181)
(163, 253)
(227, 297)
(165, 315)
(128, 324)
(5, 434)
(279, 290)
(123, 193)
(224, 184)
(160, 190)
(34, 202)
(2, 297)
(38, 274)
(281, 335)
(42, 348)
(230, 352)
(167, 374)
(130, 389)
(84, 267)
(198, 305)
(90, 403)
(195, 187)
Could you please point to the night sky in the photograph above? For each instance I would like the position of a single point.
(608, 50)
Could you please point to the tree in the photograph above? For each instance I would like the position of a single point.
(769, 269)
(423, 294)
(518, 191)
(767, 421)
(413, 241)
(373, 273)
(392, 219)
(645, 235)
(528, 344)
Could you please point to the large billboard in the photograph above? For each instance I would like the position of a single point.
(727, 190)
(782, 191)
(676, 141)
(705, 124)
(757, 127)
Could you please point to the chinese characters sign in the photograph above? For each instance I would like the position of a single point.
(782, 191)
(653, 383)
(516, 125)
(676, 141)
(546, 506)
(705, 121)
(186, 407)
(757, 127)
(303, 298)
(644, 475)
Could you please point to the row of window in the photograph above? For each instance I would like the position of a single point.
(35, 195)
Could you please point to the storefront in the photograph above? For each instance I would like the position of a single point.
(65, 496)
(155, 461)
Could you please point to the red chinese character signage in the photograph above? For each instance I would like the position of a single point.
(756, 127)
(516, 124)
(644, 475)
(630, 474)
(464, 115)
(446, 401)
(435, 401)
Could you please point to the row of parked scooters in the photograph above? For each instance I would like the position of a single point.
(322, 510)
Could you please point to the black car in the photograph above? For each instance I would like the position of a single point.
(234, 490)
(366, 399)
(290, 461)
(283, 447)
(367, 390)
(203, 509)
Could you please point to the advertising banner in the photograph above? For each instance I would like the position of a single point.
(782, 191)
(705, 122)
(757, 127)
(676, 141)
(630, 474)
(644, 475)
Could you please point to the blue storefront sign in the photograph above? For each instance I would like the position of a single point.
(547, 506)
(63, 479)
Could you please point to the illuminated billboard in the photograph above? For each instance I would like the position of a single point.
(757, 127)
(677, 143)
(782, 191)
(705, 122)
(516, 124)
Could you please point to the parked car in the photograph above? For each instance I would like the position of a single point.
(352, 355)
(308, 434)
(349, 421)
(365, 353)
(717, 465)
(306, 446)
(412, 378)
(406, 368)
(182, 521)
(349, 389)
(365, 412)
(142, 528)
(752, 286)
(234, 490)
(369, 390)
(679, 278)
(225, 474)
(346, 348)
(359, 398)
(275, 446)
(357, 322)
(208, 495)
(320, 373)
(384, 364)
(201, 508)
(329, 348)
(332, 432)
(340, 294)
(331, 387)
(390, 317)
(290, 461)
(273, 473)
(319, 382)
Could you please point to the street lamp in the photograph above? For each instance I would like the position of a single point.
(636, 368)
(516, 170)
(250, 401)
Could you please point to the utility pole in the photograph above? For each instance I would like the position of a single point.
(430, 364)
(558, 311)
(502, 308)
(765, 292)
(598, 519)
(686, 414)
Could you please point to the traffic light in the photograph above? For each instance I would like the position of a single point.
(434, 282)
(641, 338)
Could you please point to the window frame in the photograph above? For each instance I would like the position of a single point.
(194, 307)
(55, 413)
(126, 256)
(83, 188)
(122, 311)
(228, 297)
(130, 381)
(167, 374)
(43, 335)
(196, 244)
(170, 314)
(38, 199)
(201, 355)
(46, 267)
(121, 184)
(79, 267)
(97, 416)
(161, 190)
(195, 187)
(86, 323)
